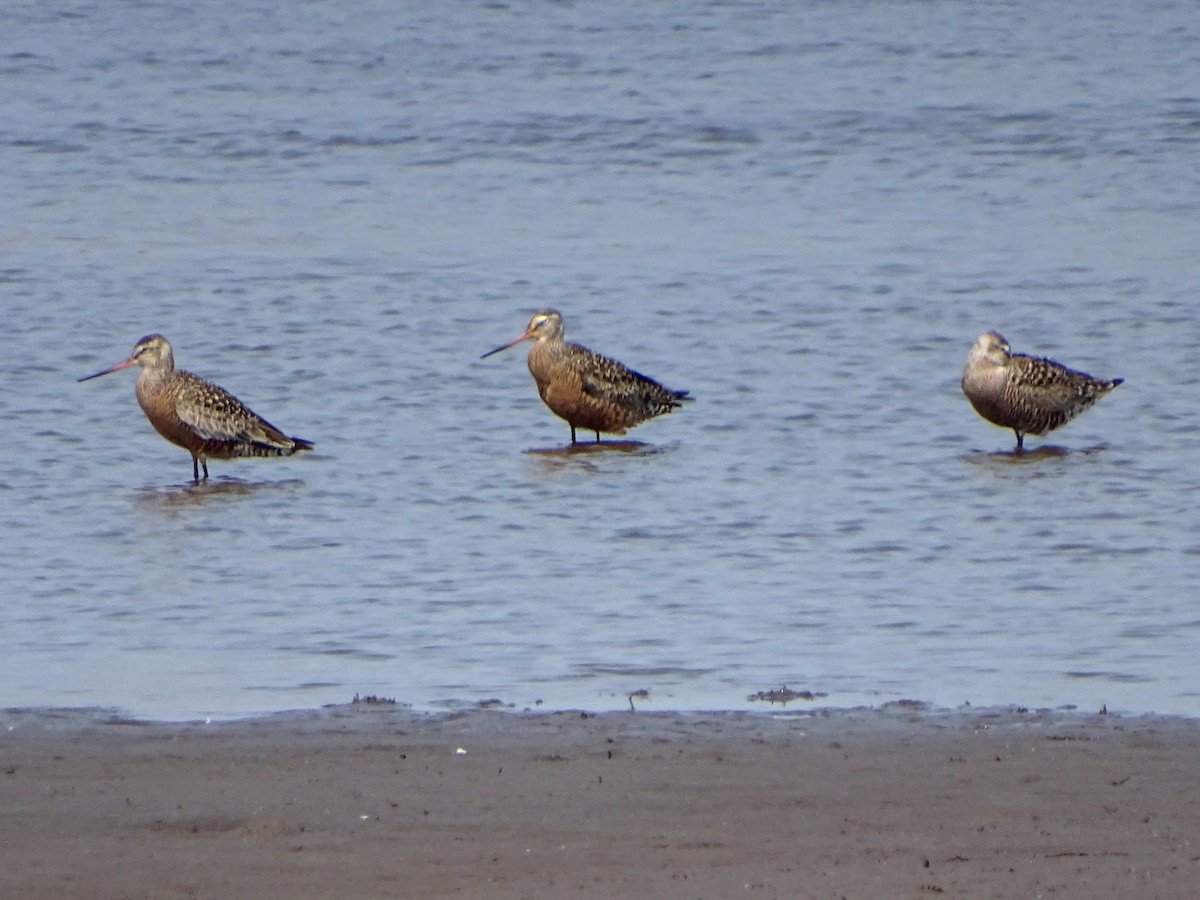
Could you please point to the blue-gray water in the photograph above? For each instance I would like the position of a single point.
(802, 212)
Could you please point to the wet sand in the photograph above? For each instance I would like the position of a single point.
(375, 801)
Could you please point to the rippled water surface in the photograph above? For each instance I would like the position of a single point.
(804, 213)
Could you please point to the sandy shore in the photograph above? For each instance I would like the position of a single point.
(375, 801)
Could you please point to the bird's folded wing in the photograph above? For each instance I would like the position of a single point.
(216, 415)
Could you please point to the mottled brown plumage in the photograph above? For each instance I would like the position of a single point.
(586, 389)
(1028, 394)
(202, 418)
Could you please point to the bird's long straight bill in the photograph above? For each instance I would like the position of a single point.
(511, 343)
(121, 365)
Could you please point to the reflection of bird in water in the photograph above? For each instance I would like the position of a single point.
(586, 389)
(202, 418)
(1028, 394)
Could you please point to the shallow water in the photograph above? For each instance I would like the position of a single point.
(802, 213)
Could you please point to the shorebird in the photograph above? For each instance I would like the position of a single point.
(202, 418)
(1028, 394)
(586, 389)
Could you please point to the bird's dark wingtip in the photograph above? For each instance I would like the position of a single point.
(302, 444)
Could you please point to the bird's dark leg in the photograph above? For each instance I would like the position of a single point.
(597, 437)
(1020, 441)
(204, 465)
(195, 469)
(573, 441)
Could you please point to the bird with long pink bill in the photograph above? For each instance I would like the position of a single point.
(586, 389)
(197, 415)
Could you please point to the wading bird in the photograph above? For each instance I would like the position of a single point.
(202, 418)
(586, 389)
(1028, 394)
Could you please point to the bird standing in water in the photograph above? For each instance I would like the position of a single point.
(1028, 394)
(202, 418)
(586, 389)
